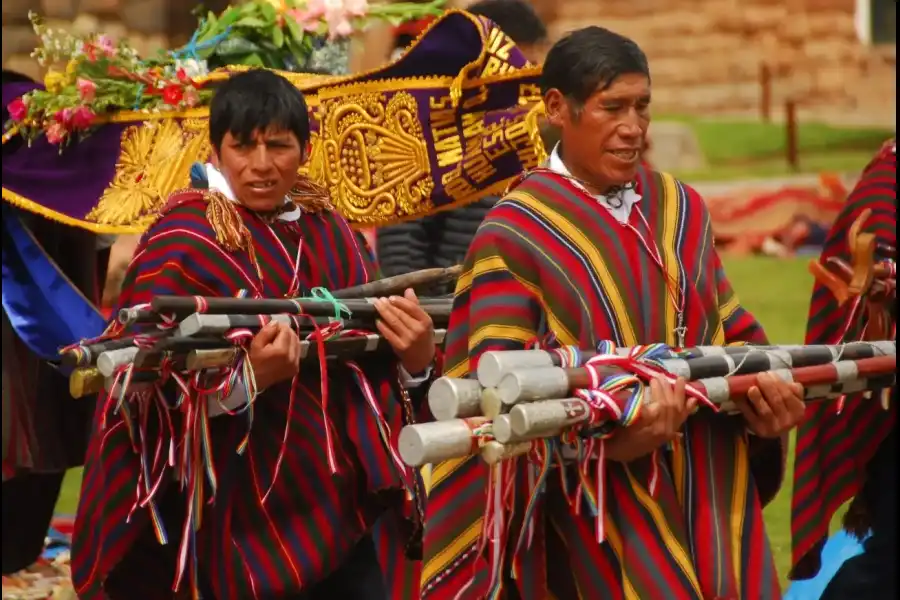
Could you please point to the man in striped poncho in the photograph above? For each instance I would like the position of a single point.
(311, 505)
(594, 247)
(851, 454)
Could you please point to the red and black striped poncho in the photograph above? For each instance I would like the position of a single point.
(548, 258)
(833, 449)
(311, 519)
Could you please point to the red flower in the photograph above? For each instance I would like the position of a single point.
(18, 110)
(88, 50)
(182, 75)
(63, 117)
(82, 118)
(173, 94)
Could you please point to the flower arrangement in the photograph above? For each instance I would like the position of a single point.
(93, 76)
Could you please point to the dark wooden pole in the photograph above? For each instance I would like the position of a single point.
(790, 127)
(765, 93)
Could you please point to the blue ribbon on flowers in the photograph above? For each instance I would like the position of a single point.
(192, 47)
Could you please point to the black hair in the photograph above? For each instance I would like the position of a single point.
(253, 101)
(517, 19)
(589, 60)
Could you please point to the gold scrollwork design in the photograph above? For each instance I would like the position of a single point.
(155, 160)
(370, 153)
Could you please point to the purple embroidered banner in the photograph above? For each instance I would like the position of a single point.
(447, 123)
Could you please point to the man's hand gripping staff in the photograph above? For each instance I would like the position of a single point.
(274, 352)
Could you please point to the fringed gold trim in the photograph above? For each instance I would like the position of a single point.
(231, 232)
(310, 196)
(40, 210)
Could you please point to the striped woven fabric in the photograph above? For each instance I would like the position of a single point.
(311, 519)
(549, 259)
(833, 449)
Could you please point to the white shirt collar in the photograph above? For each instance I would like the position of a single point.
(216, 181)
(629, 196)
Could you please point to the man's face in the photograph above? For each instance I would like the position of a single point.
(602, 142)
(263, 171)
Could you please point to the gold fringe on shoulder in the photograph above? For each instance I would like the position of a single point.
(226, 222)
(310, 196)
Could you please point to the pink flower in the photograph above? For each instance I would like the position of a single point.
(18, 110)
(87, 89)
(191, 97)
(82, 118)
(56, 133)
(339, 26)
(308, 19)
(106, 44)
(356, 8)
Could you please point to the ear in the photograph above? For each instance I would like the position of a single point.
(556, 107)
(214, 158)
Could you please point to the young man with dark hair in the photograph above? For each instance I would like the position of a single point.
(594, 247)
(441, 240)
(314, 506)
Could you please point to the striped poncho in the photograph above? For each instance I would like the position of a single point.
(247, 548)
(547, 259)
(833, 449)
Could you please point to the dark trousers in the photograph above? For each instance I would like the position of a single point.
(28, 503)
(873, 574)
(359, 578)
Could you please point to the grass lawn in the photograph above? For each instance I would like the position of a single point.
(777, 292)
(742, 149)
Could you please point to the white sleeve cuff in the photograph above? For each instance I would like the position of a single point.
(409, 382)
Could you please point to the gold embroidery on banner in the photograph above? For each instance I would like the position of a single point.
(370, 154)
(155, 160)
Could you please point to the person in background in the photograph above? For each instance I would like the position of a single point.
(441, 240)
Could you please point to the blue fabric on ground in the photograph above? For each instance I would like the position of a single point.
(840, 547)
(57, 543)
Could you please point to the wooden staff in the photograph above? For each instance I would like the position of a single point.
(550, 418)
(556, 382)
(493, 365)
(218, 325)
(109, 362)
(547, 418)
(398, 284)
(218, 352)
(85, 355)
(183, 306)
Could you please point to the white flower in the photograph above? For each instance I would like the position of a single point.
(192, 68)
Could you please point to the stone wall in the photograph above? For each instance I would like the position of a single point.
(148, 24)
(706, 55)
